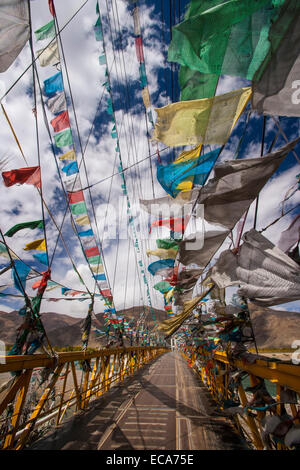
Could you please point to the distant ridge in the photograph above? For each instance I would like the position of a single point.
(64, 330)
(272, 328)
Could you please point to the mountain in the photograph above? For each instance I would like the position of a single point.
(274, 328)
(64, 330)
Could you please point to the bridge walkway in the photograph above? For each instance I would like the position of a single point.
(163, 406)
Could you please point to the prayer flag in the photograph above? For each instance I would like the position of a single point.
(206, 121)
(20, 272)
(32, 225)
(53, 84)
(162, 266)
(46, 31)
(78, 208)
(21, 176)
(63, 138)
(57, 103)
(15, 31)
(60, 122)
(75, 197)
(36, 245)
(49, 55)
(172, 176)
(70, 155)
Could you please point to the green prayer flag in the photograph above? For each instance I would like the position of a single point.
(32, 225)
(222, 37)
(46, 31)
(63, 138)
(78, 208)
(163, 286)
(167, 244)
(195, 85)
(95, 260)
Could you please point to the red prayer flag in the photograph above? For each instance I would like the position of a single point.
(61, 122)
(28, 175)
(177, 225)
(106, 293)
(51, 7)
(174, 277)
(94, 251)
(42, 284)
(75, 197)
(139, 49)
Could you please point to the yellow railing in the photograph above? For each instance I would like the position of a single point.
(216, 370)
(29, 408)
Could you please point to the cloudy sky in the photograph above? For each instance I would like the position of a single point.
(95, 148)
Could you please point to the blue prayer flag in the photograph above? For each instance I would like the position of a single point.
(70, 168)
(159, 265)
(171, 176)
(19, 274)
(42, 258)
(53, 84)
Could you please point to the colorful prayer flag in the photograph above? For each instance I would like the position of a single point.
(32, 225)
(206, 121)
(28, 175)
(63, 138)
(36, 245)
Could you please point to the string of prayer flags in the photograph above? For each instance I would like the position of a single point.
(28, 175)
(114, 134)
(32, 225)
(205, 121)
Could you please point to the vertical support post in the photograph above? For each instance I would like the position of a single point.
(18, 410)
(62, 394)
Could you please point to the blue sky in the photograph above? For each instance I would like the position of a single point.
(86, 78)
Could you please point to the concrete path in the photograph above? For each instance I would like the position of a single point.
(164, 406)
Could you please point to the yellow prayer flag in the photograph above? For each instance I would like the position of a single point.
(97, 269)
(205, 121)
(186, 185)
(146, 97)
(83, 220)
(70, 155)
(170, 325)
(163, 253)
(36, 245)
(168, 295)
(188, 155)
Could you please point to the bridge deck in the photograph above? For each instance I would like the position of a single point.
(163, 406)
